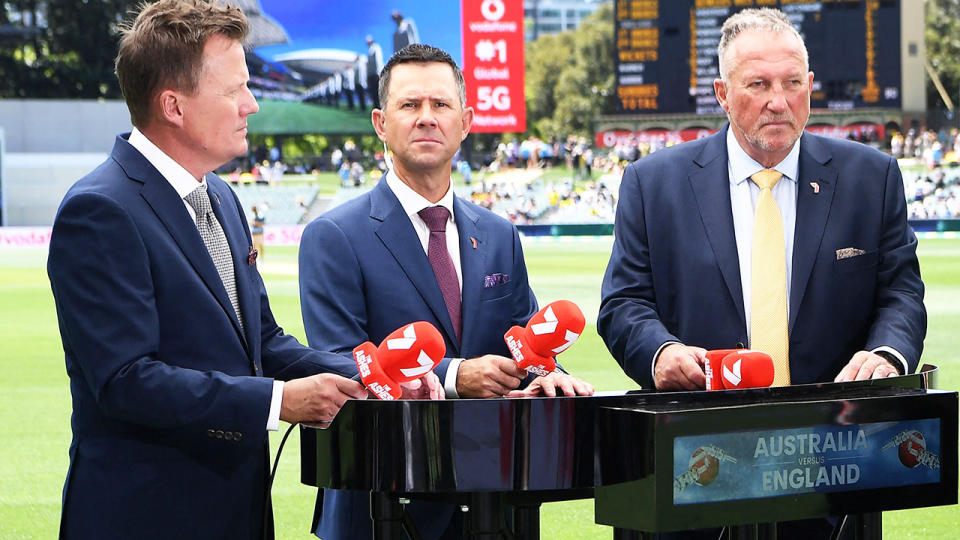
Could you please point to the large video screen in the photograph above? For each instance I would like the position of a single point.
(667, 52)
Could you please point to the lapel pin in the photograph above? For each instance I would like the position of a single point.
(816, 187)
(474, 242)
(217, 197)
(252, 256)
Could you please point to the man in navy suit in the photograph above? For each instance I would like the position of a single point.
(176, 363)
(365, 267)
(678, 281)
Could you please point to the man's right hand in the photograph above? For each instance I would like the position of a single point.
(318, 398)
(680, 367)
(488, 376)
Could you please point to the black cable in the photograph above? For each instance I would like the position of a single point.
(267, 515)
(276, 460)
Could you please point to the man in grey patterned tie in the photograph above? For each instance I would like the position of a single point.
(177, 367)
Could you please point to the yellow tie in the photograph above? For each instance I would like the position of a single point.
(768, 287)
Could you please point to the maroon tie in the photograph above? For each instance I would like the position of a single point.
(436, 219)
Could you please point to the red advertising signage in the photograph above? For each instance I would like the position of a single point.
(493, 65)
(609, 139)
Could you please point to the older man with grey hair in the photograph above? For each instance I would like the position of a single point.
(766, 236)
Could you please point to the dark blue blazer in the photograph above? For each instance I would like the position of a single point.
(170, 397)
(363, 274)
(674, 275)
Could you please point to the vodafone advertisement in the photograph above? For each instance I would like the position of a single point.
(493, 65)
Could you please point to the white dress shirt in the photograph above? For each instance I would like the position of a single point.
(412, 202)
(184, 183)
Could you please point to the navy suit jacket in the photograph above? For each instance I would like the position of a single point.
(674, 274)
(363, 274)
(170, 397)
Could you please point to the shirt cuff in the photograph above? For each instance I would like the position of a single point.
(450, 380)
(656, 355)
(896, 354)
(273, 419)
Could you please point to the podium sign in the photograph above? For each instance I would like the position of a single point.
(779, 454)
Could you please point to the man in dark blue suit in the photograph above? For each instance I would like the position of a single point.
(679, 277)
(176, 363)
(367, 267)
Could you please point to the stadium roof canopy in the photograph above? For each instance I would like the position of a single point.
(264, 30)
(297, 118)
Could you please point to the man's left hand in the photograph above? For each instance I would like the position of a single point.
(548, 386)
(866, 365)
(426, 387)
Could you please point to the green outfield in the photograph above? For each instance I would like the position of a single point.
(35, 395)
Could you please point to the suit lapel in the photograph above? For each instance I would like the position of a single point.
(393, 228)
(710, 182)
(473, 262)
(170, 210)
(815, 188)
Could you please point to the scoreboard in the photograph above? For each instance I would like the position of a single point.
(666, 58)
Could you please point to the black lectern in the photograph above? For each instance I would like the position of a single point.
(656, 461)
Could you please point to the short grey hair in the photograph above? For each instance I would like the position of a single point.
(763, 19)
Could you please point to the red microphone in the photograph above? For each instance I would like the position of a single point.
(731, 369)
(408, 353)
(549, 332)
(713, 366)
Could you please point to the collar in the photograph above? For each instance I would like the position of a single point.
(178, 177)
(742, 166)
(411, 201)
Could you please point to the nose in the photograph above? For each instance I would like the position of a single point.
(249, 105)
(778, 99)
(426, 116)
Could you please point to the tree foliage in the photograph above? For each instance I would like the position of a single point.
(943, 48)
(570, 78)
(60, 49)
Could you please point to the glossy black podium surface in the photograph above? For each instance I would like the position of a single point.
(778, 454)
(505, 454)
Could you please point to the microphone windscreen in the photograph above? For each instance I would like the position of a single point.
(747, 369)
(713, 367)
(554, 328)
(410, 351)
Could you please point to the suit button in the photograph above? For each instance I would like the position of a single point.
(210, 433)
(237, 436)
(219, 433)
(740, 345)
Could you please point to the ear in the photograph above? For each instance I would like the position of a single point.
(171, 107)
(467, 120)
(810, 84)
(720, 89)
(379, 122)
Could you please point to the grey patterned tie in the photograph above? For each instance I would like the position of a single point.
(216, 242)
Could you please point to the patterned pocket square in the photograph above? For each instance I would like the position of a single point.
(495, 279)
(849, 252)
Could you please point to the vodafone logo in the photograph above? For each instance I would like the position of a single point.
(733, 377)
(404, 343)
(547, 327)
